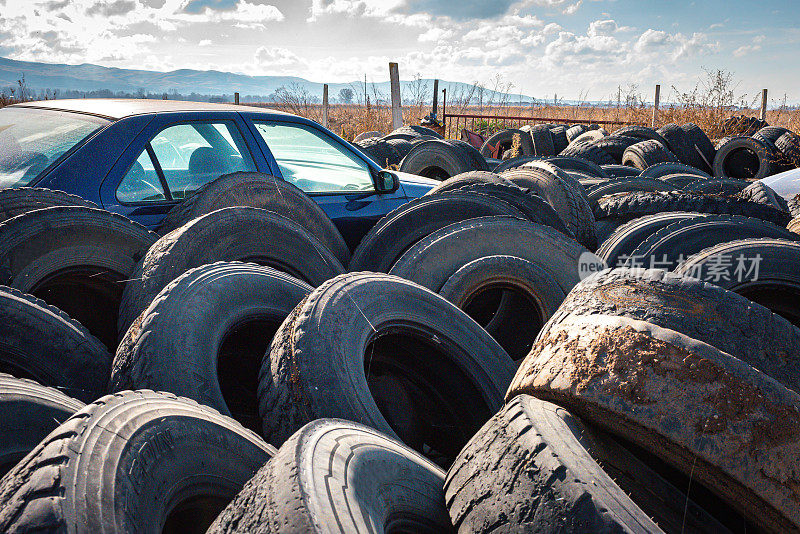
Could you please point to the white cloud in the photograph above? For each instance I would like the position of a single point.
(205, 42)
(602, 27)
(573, 8)
(435, 35)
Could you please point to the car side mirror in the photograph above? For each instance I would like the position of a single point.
(387, 182)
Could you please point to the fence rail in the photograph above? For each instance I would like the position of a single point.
(453, 122)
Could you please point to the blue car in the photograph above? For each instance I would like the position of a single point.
(139, 158)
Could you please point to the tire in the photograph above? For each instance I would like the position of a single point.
(573, 163)
(415, 130)
(436, 159)
(511, 298)
(30, 412)
(617, 250)
(574, 131)
(794, 225)
(409, 223)
(794, 205)
(589, 152)
(42, 343)
(624, 185)
(613, 211)
(19, 200)
(542, 143)
(478, 161)
(763, 194)
(213, 359)
(380, 151)
(647, 153)
(699, 409)
(379, 483)
(660, 170)
(76, 259)
(402, 147)
(681, 181)
(678, 144)
(590, 136)
(354, 358)
(367, 135)
(514, 163)
(258, 190)
(229, 234)
(498, 143)
(696, 309)
(569, 203)
(466, 178)
(727, 187)
(534, 468)
(615, 145)
(560, 140)
(641, 132)
(789, 145)
(137, 461)
(672, 244)
(701, 144)
(776, 285)
(620, 171)
(744, 158)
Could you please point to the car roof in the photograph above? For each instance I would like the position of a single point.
(117, 108)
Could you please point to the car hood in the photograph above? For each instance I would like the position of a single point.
(415, 186)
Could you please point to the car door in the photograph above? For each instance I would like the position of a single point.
(325, 167)
(173, 157)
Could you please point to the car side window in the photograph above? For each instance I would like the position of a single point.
(192, 154)
(141, 183)
(312, 161)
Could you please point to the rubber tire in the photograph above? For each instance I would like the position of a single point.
(542, 142)
(402, 147)
(702, 146)
(699, 310)
(727, 187)
(505, 138)
(42, 343)
(778, 284)
(574, 131)
(165, 352)
(641, 132)
(229, 234)
(678, 144)
(409, 223)
(615, 145)
(678, 241)
(436, 159)
(646, 153)
(122, 463)
(789, 145)
(82, 242)
(367, 135)
(433, 260)
(380, 485)
(701, 410)
(624, 185)
(478, 161)
(560, 140)
(620, 171)
(415, 130)
(590, 152)
(30, 412)
(765, 156)
(466, 178)
(258, 190)
(619, 246)
(570, 163)
(316, 365)
(660, 170)
(18, 200)
(380, 151)
(680, 181)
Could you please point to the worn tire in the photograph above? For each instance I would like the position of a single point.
(789, 145)
(18, 200)
(777, 286)
(590, 152)
(379, 150)
(660, 170)
(387, 353)
(367, 135)
(574, 131)
(76, 259)
(727, 187)
(744, 158)
(409, 223)
(42, 343)
(30, 412)
(436, 159)
(229, 234)
(679, 240)
(560, 140)
(624, 185)
(678, 144)
(646, 153)
(573, 163)
(542, 143)
(368, 482)
(621, 171)
(763, 194)
(258, 190)
(466, 178)
(501, 141)
(214, 358)
(137, 461)
(710, 415)
(472, 153)
(702, 146)
(615, 145)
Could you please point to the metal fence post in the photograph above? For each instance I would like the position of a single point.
(655, 105)
(397, 109)
(763, 104)
(325, 105)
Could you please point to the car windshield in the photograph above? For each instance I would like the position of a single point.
(32, 139)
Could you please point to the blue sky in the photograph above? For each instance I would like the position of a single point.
(569, 47)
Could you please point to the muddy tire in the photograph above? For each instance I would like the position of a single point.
(789, 145)
(744, 158)
(625, 185)
(30, 412)
(386, 353)
(257, 190)
(42, 343)
(436, 159)
(140, 461)
(728, 187)
(76, 259)
(230, 234)
(19, 200)
(380, 482)
(214, 358)
(380, 151)
(646, 153)
(710, 415)
(777, 284)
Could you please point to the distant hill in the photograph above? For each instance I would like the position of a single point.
(87, 77)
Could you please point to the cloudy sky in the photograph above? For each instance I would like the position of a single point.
(570, 47)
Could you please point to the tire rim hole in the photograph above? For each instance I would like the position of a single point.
(238, 366)
(435, 173)
(741, 163)
(781, 299)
